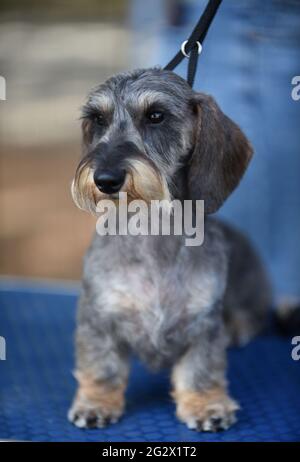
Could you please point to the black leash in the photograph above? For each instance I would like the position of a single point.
(192, 47)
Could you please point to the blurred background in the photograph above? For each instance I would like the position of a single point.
(53, 52)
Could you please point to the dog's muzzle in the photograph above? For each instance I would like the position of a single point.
(115, 167)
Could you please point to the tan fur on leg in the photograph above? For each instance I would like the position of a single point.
(96, 402)
(100, 393)
(208, 410)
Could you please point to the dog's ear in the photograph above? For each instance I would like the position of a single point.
(220, 154)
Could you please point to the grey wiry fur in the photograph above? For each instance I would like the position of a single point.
(170, 304)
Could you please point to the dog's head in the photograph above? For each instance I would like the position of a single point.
(149, 134)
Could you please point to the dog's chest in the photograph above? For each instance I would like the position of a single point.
(151, 312)
(155, 308)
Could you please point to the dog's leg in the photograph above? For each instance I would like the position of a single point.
(199, 388)
(102, 371)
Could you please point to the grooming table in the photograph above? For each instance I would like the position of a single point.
(36, 383)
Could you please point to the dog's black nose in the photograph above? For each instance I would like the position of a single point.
(109, 181)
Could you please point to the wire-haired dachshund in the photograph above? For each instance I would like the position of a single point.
(147, 133)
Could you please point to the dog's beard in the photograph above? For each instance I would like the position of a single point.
(143, 181)
(84, 191)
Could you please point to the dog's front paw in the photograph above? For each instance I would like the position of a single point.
(96, 404)
(209, 411)
(86, 414)
(89, 415)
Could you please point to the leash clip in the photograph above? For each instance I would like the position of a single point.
(182, 48)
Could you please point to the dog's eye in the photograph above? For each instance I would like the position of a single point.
(155, 117)
(99, 119)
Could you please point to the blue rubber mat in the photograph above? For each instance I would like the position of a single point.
(36, 384)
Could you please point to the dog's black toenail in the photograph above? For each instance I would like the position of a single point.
(91, 421)
(199, 426)
(216, 423)
(106, 421)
